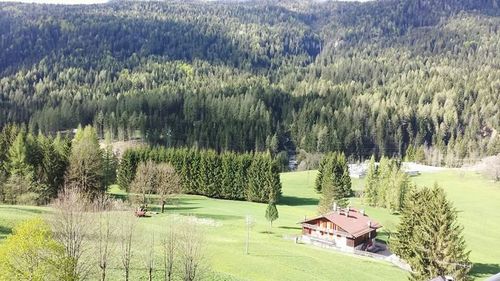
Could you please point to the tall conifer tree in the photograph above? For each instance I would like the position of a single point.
(429, 237)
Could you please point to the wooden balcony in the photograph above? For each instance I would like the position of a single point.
(326, 230)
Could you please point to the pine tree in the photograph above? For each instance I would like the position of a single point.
(319, 177)
(271, 213)
(17, 161)
(331, 194)
(336, 182)
(256, 176)
(19, 184)
(342, 176)
(127, 168)
(371, 183)
(429, 237)
(109, 162)
(228, 174)
(402, 242)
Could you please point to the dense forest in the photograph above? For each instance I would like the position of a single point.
(382, 77)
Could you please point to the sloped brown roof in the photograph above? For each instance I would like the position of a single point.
(356, 224)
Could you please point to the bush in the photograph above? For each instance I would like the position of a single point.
(31, 253)
(30, 198)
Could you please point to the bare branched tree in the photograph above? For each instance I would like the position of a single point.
(168, 183)
(492, 167)
(145, 180)
(169, 250)
(128, 224)
(149, 259)
(72, 226)
(190, 249)
(105, 232)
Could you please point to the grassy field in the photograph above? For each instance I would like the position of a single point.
(274, 258)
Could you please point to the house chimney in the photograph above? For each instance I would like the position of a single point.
(334, 206)
(347, 212)
(363, 212)
(369, 224)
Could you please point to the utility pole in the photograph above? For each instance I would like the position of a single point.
(249, 223)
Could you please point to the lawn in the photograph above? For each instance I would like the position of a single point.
(274, 258)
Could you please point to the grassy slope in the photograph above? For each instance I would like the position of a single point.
(273, 258)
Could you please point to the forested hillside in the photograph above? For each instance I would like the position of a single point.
(375, 77)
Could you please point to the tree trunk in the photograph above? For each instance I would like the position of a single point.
(103, 274)
(126, 274)
(162, 206)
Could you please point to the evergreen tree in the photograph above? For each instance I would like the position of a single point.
(429, 237)
(19, 185)
(342, 176)
(319, 177)
(17, 161)
(414, 206)
(109, 162)
(271, 213)
(85, 170)
(256, 176)
(229, 166)
(51, 169)
(126, 171)
(335, 181)
(371, 183)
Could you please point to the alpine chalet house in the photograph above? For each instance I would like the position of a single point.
(347, 229)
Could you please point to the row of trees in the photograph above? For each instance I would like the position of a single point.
(248, 176)
(386, 185)
(429, 237)
(333, 181)
(33, 169)
(100, 240)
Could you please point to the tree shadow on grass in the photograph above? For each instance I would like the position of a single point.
(290, 227)
(4, 231)
(170, 208)
(481, 270)
(122, 197)
(297, 201)
(19, 209)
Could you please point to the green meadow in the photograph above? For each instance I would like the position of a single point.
(272, 257)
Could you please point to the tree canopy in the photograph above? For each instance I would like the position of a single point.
(364, 78)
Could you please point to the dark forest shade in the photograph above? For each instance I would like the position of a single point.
(363, 78)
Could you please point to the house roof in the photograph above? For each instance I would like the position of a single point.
(356, 224)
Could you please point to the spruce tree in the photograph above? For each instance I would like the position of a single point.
(256, 176)
(336, 182)
(271, 213)
(20, 174)
(17, 159)
(371, 183)
(332, 193)
(402, 242)
(228, 174)
(127, 168)
(109, 162)
(429, 237)
(321, 170)
(328, 170)
(341, 175)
